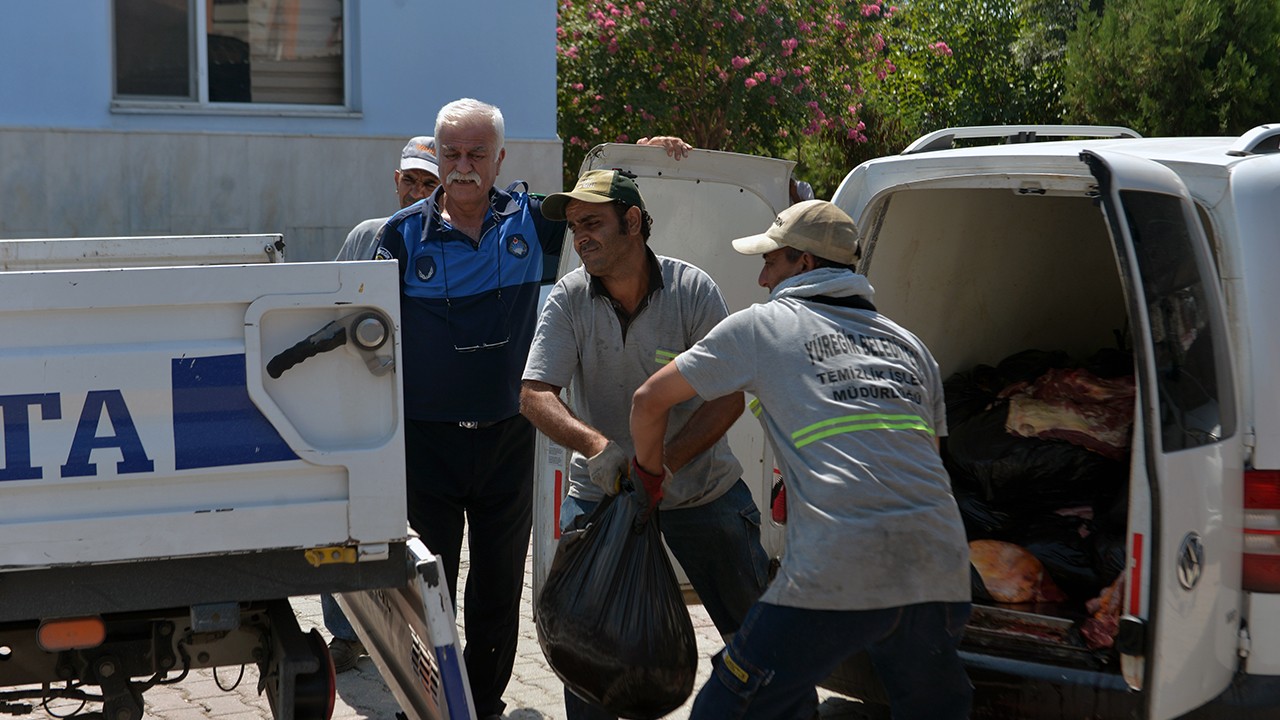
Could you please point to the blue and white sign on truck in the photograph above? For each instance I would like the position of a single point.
(194, 432)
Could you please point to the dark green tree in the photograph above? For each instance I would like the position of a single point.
(1176, 67)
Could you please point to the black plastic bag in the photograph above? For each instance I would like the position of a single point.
(1024, 476)
(611, 618)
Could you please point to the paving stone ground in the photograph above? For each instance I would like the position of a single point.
(535, 693)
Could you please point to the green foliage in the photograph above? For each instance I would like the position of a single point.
(776, 77)
(999, 63)
(1176, 67)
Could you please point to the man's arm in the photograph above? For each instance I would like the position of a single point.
(707, 424)
(649, 407)
(541, 403)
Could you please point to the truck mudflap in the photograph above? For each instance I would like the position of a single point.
(411, 635)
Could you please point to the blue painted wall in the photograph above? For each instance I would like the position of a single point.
(408, 58)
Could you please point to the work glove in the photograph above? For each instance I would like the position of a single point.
(608, 468)
(652, 485)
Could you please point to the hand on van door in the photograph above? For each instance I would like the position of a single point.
(674, 146)
(609, 468)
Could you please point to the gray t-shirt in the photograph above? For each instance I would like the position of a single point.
(579, 344)
(361, 241)
(851, 403)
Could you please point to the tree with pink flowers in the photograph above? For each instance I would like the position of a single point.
(775, 77)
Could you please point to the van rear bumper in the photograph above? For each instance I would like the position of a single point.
(1006, 688)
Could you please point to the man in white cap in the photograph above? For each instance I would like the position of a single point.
(416, 178)
(852, 404)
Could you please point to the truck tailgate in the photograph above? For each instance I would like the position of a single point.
(139, 421)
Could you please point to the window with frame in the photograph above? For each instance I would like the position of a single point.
(1192, 378)
(276, 52)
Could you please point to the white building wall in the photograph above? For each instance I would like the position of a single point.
(73, 163)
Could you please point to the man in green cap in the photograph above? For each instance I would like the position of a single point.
(606, 328)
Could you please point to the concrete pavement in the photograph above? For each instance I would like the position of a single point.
(535, 693)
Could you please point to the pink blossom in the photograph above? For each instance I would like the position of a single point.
(572, 52)
(764, 8)
(881, 74)
(577, 87)
(877, 41)
(645, 22)
(940, 48)
(892, 9)
(723, 76)
(613, 47)
(717, 24)
(750, 82)
(736, 16)
(739, 62)
(609, 24)
(640, 7)
(775, 80)
(772, 100)
(812, 105)
(783, 132)
(759, 76)
(673, 12)
(623, 137)
(870, 10)
(890, 67)
(627, 108)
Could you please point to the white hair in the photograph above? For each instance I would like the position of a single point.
(469, 110)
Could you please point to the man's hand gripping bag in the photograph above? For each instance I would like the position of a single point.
(611, 618)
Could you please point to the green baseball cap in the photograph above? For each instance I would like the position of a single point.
(595, 186)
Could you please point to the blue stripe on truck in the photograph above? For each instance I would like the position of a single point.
(214, 421)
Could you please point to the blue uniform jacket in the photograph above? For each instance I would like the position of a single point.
(468, 309)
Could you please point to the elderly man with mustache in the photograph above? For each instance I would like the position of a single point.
(472, 257)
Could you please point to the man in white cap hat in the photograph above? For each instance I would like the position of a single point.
(852, 403)
(416, 178)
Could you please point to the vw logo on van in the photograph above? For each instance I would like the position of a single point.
(1190, 561)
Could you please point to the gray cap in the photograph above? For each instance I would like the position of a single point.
(420, 154)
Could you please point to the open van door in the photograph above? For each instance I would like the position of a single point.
(1180, 616)
(699, 205)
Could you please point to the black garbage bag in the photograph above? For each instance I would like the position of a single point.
(969, 393)
(611, 618)
(981, 520)
(1064, 545)
(1024, 476)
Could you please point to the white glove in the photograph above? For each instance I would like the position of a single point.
(608, 467)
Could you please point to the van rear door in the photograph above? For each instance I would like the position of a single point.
(1182, 594)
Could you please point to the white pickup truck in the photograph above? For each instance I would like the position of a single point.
(1163, 252)
(193, 433)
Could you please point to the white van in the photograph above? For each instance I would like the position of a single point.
(1164, 250)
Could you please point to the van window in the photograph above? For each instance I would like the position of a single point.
(1185, 334)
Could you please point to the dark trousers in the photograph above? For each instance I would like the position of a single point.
(484, 478)
(770, 669)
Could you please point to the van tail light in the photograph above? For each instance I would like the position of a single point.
(1262, 531)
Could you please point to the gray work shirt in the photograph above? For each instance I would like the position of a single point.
(580, 344)
(362, 241)
(852, 404)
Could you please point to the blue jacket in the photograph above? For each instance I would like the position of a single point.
(467, 309)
